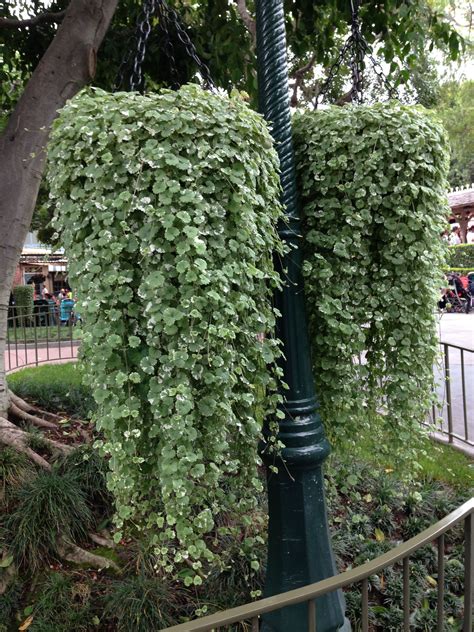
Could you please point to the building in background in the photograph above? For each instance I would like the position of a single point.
(42, 267)
(461, 203)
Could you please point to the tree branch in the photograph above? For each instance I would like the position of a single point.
(247, 19)
(48, 16)
(298, 75)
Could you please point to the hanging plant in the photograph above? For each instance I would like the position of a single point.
(167, 206)
(373, 182)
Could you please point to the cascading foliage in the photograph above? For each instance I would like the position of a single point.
(167, 206)
(373, 182)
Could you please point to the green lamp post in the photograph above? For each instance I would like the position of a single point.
(299, 548)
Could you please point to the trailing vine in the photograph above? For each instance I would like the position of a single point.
(373, 182)
(167, 206)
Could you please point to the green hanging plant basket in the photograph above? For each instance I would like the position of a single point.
(373, 187)
(167, 206)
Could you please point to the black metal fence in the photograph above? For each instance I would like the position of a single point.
(453, 416)
(38, 335)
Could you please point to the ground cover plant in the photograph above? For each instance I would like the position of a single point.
(373, 182)
(173, 349)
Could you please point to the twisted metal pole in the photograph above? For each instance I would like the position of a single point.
(299, 548)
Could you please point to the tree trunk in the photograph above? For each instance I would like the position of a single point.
(68, 64)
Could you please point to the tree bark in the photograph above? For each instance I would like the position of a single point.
(68, 64)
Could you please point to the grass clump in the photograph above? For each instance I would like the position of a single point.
(141, 604)
(49, 507)
(15, 469)
(10, 603)
(54, 387)
(62, 605)
(90, 471)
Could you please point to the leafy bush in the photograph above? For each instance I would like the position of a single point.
(55, 387)
(461, 271)
(461, 256)
(174, 218)
(373, 181)
(23, 296)
(49, 507)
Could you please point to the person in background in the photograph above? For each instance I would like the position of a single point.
(62, 294)
(66, 311)
(454, 238)
(470, 236)
(52, 308)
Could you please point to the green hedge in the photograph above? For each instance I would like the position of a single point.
(23, 295)
(461, 256)
(461, 271)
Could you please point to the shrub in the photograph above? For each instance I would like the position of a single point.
(23, 296)
(174, 218)
(461, 256)
(373, 181)
(461, 271)
(49, 507)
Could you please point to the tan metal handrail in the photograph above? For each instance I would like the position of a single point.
(400, 553)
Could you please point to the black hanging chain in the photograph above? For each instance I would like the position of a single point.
(167, 19)
(358, 50)
(143, 33)
(167, 45)
(190, 48)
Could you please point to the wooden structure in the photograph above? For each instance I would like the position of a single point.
(461, 202)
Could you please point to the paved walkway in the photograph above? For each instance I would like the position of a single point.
(20, 356)
(458, 329)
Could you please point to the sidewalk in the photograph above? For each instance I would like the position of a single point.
(27, 355)
(458, 329)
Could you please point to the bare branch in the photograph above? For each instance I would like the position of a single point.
(48, 16)
(298, 76)
(247, 19)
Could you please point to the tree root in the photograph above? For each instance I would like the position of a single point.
(19, 440)
(102, 541)
(32, 419)
(33, 410)
(12, 436)
(76, 555)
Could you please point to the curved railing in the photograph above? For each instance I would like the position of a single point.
(252, 612)
(39, 337)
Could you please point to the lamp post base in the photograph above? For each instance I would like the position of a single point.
(299, 543)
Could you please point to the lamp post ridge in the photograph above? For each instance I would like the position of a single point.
(299, 546)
